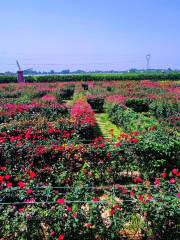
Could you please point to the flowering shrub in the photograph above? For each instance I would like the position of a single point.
(82, 113)
(83, 117)
(25, 111)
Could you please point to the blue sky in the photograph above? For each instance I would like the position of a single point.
(89, 34)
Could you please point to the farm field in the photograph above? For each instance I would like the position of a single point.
(89, 160)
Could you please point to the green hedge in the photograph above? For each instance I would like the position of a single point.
(157, 151)
(157, 148)
(95, 77)
(8, 79)
(130, 120)
(138, 104)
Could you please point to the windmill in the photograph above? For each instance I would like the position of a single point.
(20, 74)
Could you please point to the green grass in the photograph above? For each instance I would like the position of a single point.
(106, 126)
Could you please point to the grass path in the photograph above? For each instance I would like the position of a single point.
(106, 126)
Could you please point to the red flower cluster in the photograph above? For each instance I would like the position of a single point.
(82, 113)
(61, 237)
(150, 84)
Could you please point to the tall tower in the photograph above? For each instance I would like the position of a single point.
(148, 57)
(20, 74)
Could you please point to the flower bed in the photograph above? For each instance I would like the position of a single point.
(57, 181)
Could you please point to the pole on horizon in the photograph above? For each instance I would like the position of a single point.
(20, 74)
(148, 57)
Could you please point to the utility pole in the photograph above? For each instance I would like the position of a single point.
(148, 57)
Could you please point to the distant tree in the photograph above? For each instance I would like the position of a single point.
(132, 70)
(9, 73)
(79, 71)
(30, 71)
(66, 71)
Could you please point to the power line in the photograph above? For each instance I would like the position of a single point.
(76, 64)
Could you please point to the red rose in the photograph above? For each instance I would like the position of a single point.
(2, 140)
(21, 184)
(94, 199)
(118, 144)
(102, 145)
(32, 174)
(172, 181)
(164, 175)
(135, 133)
(69, 209)
(140, 198)
(174, 171)
(137, 180)
(7, 177)
(61, 237)
(60, 201)
(131, 193)
(21, 210)
(29, 191)
(9, 184)
(157, 182)
(134, 140)
(125, 191)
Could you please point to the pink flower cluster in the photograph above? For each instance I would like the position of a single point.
(49, 98)
(13, 109)
(118, 99)
(175, 90)
(82, 113)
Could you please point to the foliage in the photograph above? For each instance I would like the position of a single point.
(96, 102)
(131, 120)
(138, 105)
(157, 150)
